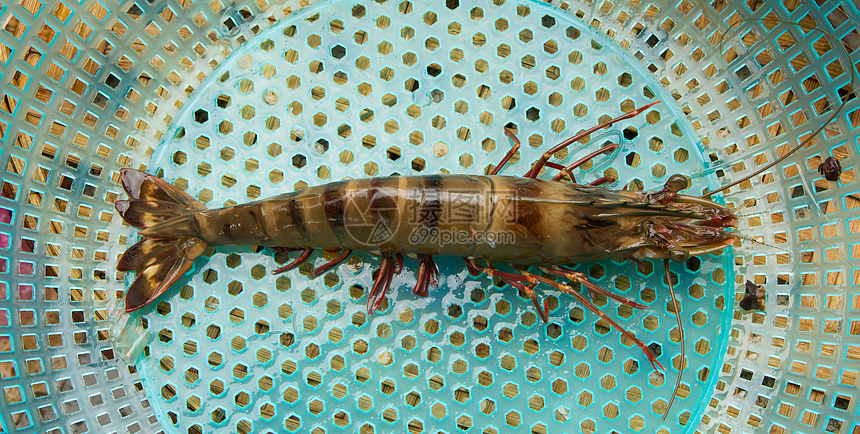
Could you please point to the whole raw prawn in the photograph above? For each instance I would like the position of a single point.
(521, 221)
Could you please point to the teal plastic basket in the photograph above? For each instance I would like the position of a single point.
(241, 102)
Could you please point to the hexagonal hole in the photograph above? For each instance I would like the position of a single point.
(413, 398)
(528, 61)
(291, 395)
(482, 351)
(510, 390)
(267, 411)
(265, 383)
(531, 346)
(285, 311)
(431, 327)
(189, 348)
(261, 327)
(605, 354)
(408, 343)
(238, 344)
(534, 374)
(218, 415)
(338, 51)
(700, 318)
(559, 387)
(508, 362)
(485, 378)
(165, 336)
(576, 315)
(166, 364)
(411, 371)
(585, 399)
(246, 86)
(537, 402)
(582, 370)
(513, 418)
(530, 87)
(260, 300)
(215, 360)
(651, 323)
(462, 395)
(702, 346)
(697, 291)
(652, 117)
(436, 382)
(633, 160)
(607, 382)
(237, 316)
(315, 407)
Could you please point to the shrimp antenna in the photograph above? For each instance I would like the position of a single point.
(761, 242)
(756, 201)
(750, 214)
(745, 205)
(680, 329)
(802, 144)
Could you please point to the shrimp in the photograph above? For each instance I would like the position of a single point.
(538, 227)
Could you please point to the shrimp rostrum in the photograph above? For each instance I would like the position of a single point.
(522, 230)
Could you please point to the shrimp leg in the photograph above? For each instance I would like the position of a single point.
(387, 269)
(569, 169)
(546, 155)
(422, 281)
(331, 264)
(534, 279)
(602, 180)
(427, 272)
(301, 259)
(579, 297)
(514, 280)
(575, 276)
(398, 263)
(510, 153)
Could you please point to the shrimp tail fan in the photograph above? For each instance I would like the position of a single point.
(169, 230)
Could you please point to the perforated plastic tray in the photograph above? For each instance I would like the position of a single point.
(247, 101)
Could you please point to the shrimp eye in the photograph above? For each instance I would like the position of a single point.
(679, 255)
(676, 183)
